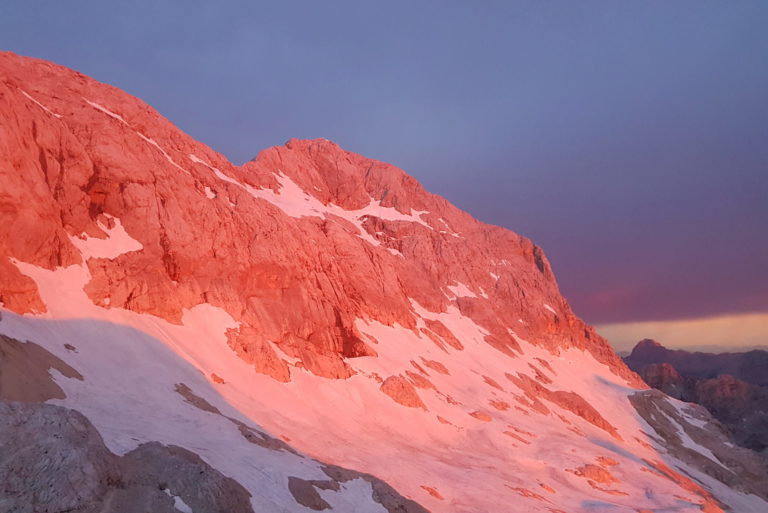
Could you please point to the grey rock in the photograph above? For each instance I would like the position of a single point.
(186, 475)
(52, 459)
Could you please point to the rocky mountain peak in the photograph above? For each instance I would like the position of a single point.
(303, 323)
(255, 238)
(647, 349)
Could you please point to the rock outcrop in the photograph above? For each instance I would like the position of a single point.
(25, 372)
(691, 427)
(55, 460)
(730, 385)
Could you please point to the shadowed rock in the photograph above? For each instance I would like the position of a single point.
(305, 493)
(730, 385)
(186, 475)
(253, 435)
(384, 494)
(25, 372)
(735, 467)
(750, 366)
(54, 460)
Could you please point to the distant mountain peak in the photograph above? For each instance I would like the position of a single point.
(647, 348)
(648, 342)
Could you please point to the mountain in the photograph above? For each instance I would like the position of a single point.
(750, 366)
(310, 330)
(732, 386)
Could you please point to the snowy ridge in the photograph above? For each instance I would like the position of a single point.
(46, 109)
(143, 137)
(295, 202)
(117, 242)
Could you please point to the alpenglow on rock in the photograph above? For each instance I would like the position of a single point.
(312, 329)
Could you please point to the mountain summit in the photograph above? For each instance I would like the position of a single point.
(310, 330)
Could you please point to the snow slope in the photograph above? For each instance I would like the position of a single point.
(476, 428)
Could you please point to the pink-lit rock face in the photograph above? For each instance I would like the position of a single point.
(313, 310)
(298, 243)
(402, 392)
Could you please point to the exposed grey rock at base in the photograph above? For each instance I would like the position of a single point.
(137, 499)
(52, 460)
(186, 475)
(384, 494)
(732, 386)
(305, 493)
(25, 372)
(736, 467)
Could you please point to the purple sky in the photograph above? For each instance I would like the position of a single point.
(629, 139)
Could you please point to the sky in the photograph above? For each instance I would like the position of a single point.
(628, 139)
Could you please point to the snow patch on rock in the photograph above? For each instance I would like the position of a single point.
(117, 242)
(178, 502)
(46, 109)
(461, 290)
(143, 137)
(295, 202)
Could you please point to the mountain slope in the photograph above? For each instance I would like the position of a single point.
(732, 386)
(317, 302)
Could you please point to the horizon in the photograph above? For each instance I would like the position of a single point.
(643, 180)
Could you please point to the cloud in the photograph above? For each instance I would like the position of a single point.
(725, 331)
